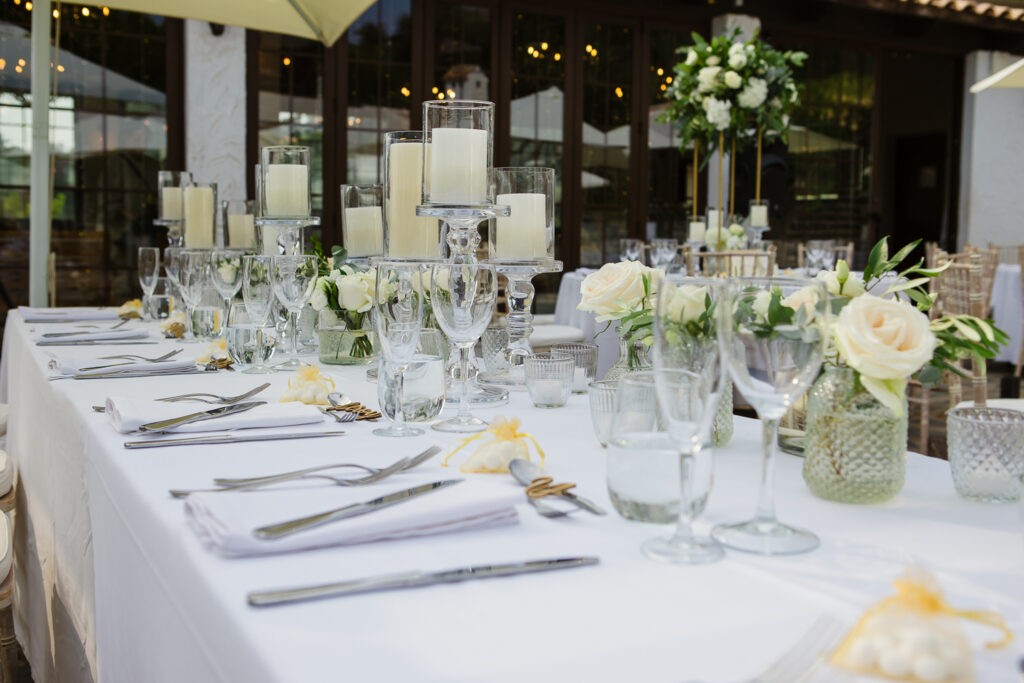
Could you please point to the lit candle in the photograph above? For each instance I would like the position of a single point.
(696, 233)
(198, 202)
(287, 190)
(171, 203)
(548, 392)
(458, 166)
(759, 216)
(364, 231)
(409, 236)
(241, 232)
(524, 234)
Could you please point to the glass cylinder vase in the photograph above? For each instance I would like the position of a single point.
(633, 357)
(345, 338)
(855, 448)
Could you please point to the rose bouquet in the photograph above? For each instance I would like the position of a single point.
(344, 297)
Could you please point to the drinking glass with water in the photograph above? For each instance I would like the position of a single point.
(423, 392)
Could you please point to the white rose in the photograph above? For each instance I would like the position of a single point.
(707, 77)
(806, 298)
(691, 58)
(853, 287)
(886, 341)
(228, 271)
(328, 318)
(319, 299)
(355, 294)
(713, 60)
(738, 60)
(718, 112)
(614, 291)
(735, 242)
(761, 302)
(754, 94)
(733, 79)
(686, 303)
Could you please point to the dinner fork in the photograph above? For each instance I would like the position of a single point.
(132, 356)
(807, 654)
(158, 359)
(214, 398)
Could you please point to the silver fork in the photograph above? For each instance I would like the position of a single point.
(214, 398)
(339, 415)
(340, 481)
(812, 650)
(132, 356)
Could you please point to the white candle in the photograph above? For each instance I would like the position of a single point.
(241, 232)
(198, 217)
(579, 380)
(548, 392)
(364, 231)
(759, 216)
(171, 203)
(409, 236)
(287, 190)
(696, 233)
(524, 234)
(458, 166)
(714, 218)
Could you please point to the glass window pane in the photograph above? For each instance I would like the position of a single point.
(669, 173)
(462, 52)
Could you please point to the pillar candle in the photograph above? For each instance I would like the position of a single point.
(409, 236)
(198, 217)
(696, 233)
(364, 231)
(287, 190)
(241, 232)
(170, 203)
(759, 216)
(714, 218)
(523, 234)
(458, 166)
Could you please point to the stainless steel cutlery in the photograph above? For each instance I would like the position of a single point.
(211, 439)
(214, 398)
(164, 425)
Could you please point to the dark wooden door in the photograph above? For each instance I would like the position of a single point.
(919, 201)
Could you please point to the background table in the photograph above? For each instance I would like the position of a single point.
(166, 609)
(1008, 309)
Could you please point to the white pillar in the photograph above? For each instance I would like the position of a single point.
(991, 157)
(215, 108)
(724, 25)
(39, 186)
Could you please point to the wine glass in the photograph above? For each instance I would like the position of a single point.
(818, 256)
(399, 314)
(193, 276)
(149, 270)
(775, 350)
(294, 278)
(463, 298)
(663, 251)
(226, 273)
(630, 249)
(689, 376)
(170, 260)
(258, 294)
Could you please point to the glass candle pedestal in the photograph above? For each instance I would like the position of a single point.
(463, 223)
(282, 237)
(175, 234)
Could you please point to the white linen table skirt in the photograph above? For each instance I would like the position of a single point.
(1008, 309)
(166, 609)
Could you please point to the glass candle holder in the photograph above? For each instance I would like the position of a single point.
(602, 408)
(986, 453)
(362, 220)
(169, 193)
(198, 200)
(458, 161)
(407, 235)
(285, 172)
(584, 358)
(759, 214)
(529, 232)
(549, 378)
(237, 217)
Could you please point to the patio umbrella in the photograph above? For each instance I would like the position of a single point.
(322, 20)
(1010, 77)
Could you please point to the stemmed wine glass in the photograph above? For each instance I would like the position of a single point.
(399, 314)
(663, 251)
(193, 274)
(226, 273)
(171, 257)
(630, 249)
(294, 278)
(258, 294)
(775, 351)
(689, 375)
(463, 297)
(149, 270)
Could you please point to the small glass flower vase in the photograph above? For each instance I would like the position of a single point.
(633, 357)
(721, 430)
(345, 338)
(855, 448)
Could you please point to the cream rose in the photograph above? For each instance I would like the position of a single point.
(616, 290)
(886, 341)
(852, 287)
(762, 300)
(355, 292)
(806, 298)
(686, 303)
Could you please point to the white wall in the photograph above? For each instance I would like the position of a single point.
(991, 157)
(215, 108)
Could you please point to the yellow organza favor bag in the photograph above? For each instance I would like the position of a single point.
(493, 456)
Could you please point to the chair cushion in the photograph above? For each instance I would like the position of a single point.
(548, 335)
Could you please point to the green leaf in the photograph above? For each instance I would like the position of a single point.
(903, 286)
(879, 253)
(902, 253)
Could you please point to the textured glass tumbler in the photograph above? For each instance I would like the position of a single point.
(494, 342)
(549, 378)
(602, 408)
(585, 359)
(986, 453)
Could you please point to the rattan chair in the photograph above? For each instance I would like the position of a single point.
(989, 262)
(839, 251)
(1008, 254)
(730, 263)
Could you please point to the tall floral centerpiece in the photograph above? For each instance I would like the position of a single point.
(735, 90)
(343, 298)
(856, 439)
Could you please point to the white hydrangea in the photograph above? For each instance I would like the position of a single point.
(713, 60)
(738, 60)
(691, 58)
(776, 103)
(707, 77)
(735, 48)
(754, 94)
(733, 79)
(750, 49)
(718, 112)
(735, 242)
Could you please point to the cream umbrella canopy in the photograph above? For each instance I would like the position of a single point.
(322, 20)
(1010, 77)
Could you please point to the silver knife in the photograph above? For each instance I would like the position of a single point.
(113, 374)
(90, 342)
(413, 580)
(273, 531)
(164, 425)
(225, 438)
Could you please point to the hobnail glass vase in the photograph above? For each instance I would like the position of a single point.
(345, 341)
(855, 448)
(633, 357)
(721, 430)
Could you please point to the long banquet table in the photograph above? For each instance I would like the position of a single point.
(110, 576)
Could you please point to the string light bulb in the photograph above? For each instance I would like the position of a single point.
(28, 6)
(618, 92)
(405, 91)
(106, 11)
(543, 46)
(56, 14)
(558, 56)
(85, 11)
(661, 72)
(286, 61)
(434, 90)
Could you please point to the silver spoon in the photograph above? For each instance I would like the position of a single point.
(525, 472)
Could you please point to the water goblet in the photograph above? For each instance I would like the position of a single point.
(776, 346)
(170, 261)
(630, 249)
(258, 294)
(463, 298)
(294, 278)
(399, 316)
(149, 270)
(689, 376)
(247, 340)
(421, 395)
(663, 252)
(193, 276)
(226, 273)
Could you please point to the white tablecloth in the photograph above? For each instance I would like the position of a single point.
(1008, 309)
(166, 609)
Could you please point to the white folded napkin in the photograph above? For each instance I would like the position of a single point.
(224, 522)
(67, 367)
(128, 414)
(41, 315)
(93, 335)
